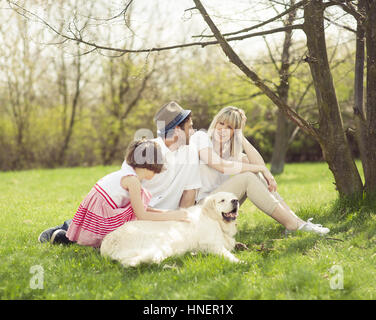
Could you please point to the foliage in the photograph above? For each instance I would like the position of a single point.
(204, 83)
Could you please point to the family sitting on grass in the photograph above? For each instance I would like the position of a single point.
(178, 169)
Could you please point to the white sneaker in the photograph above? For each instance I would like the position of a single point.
(311, 227)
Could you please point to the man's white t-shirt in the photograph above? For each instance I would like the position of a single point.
(210, 178)
(182, 172)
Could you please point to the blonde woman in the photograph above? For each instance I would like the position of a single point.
(230, 163)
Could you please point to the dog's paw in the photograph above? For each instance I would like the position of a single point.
(240, 246)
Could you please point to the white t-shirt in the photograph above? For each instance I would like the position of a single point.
(210, 178)
(182, 173)
(111, 188)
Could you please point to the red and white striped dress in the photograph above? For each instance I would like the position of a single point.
(106, 207)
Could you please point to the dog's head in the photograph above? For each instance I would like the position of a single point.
(222, 206)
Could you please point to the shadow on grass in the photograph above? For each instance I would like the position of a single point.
(346, 219)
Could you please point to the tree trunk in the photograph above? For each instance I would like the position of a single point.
(370, 143)
(67, 132)
(359, 112)
(281, 143)
(330, 134)
(284, 127)
(236, 60)
(332, 140)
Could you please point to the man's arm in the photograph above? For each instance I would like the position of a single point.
(188, 198)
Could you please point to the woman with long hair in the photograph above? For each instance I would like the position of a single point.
(230, 163)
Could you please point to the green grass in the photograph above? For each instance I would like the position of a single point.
(297, 267)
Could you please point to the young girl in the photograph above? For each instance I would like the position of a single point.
(119, 198)
(224, 167)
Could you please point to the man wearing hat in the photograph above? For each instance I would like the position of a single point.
(175, 186)
(169, 119)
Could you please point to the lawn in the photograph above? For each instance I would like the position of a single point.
(301, 266)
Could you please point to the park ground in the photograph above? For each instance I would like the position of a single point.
(341, 265)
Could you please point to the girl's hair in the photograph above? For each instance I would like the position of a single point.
(145, 154)
(233, 116)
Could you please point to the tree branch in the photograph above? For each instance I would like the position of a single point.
(340, 25)
(347, 7)
(292, 8)
(271, 55)
(235, 59)
(78, 38)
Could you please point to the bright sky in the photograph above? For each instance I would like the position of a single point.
(169, 23)
(166, 22)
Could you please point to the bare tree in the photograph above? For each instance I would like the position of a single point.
(125, 86)
(366, 117)
(70, 95)
(20, 71)
(328, 131)
(284, 127)
(126, 79)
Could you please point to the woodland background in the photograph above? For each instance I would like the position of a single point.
(69, 95)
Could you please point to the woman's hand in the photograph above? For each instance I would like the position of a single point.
(272, 184)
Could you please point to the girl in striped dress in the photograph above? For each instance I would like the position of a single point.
(119, 197)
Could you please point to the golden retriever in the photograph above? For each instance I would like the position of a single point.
(211, 229)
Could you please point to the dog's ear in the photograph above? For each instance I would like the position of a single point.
(209, 206)
(210, 203)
